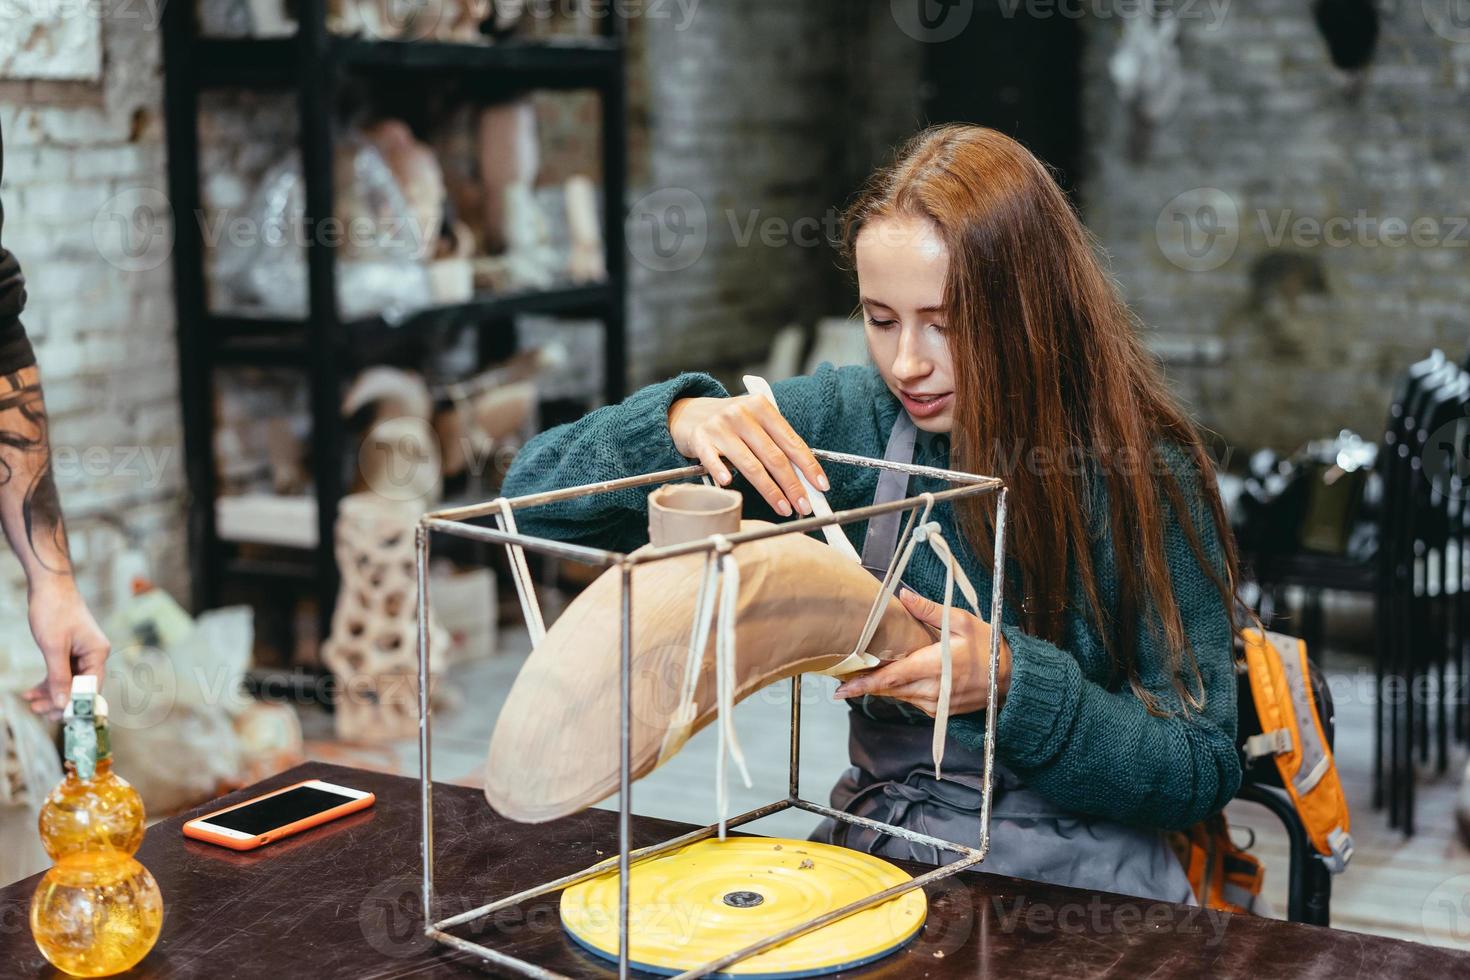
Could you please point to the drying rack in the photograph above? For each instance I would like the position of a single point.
(454, 521)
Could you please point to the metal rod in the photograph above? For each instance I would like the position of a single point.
(878, 898)
(568, 493)
(691, 837)
(449, 521)
(608, 864)
(602, 557)
(913, 469)
(644, 555)
(793, 786)
(426, 784)
(470, 511)
(498, 958)
(625, 774)
(884, 828)
(997, 592)
(492, 535)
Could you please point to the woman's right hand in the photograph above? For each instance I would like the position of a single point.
(750, 433)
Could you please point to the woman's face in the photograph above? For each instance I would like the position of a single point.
(901, 266)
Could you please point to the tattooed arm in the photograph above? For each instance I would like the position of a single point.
(30, 513)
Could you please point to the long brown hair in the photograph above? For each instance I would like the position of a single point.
(1049, 368)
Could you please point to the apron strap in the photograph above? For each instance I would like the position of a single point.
(882, 537)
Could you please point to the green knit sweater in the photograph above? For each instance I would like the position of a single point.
(1087, 745)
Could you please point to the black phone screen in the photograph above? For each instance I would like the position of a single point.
(279, 810)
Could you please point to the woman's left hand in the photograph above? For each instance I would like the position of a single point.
(915, 678)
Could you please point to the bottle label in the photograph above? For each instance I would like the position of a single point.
(81, 745)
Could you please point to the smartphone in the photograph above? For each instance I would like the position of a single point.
(246, 826)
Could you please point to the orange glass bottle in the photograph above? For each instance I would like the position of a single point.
(97, 911)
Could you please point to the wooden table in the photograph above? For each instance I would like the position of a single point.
(342, 901)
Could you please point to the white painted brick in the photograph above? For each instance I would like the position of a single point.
(67, 202)
(80, 125)
(127, 160)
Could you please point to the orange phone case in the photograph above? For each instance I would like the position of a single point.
(275, 833)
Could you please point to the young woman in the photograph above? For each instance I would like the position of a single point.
(998, 346)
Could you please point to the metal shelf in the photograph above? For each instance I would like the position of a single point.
(316, 67)
(560, 63)
(274, 569)
(270, 340)
(271, 62)
(566, 300)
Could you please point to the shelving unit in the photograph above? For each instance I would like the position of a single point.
(327, 347)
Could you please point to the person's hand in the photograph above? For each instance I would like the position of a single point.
(915, 678)
(750, 433)
(69, 639)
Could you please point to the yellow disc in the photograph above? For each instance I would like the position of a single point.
(710, 898)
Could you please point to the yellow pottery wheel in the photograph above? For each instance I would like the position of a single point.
(711, 898)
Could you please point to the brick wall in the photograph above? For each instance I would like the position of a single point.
(758, 119)
(764, 111)
(80, 156)
(1301, 300)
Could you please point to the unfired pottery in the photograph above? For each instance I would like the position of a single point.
(801, 608)
(679, 512)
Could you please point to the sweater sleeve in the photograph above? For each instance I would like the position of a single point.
(15, 346)
(1098, 751)
(633, 437)
(615, 441)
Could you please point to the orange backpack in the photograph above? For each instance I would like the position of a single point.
(1224, 875)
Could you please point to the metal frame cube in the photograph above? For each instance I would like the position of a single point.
(454, 521)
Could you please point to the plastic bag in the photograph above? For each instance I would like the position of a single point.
(172, 709)
(262, 264)
(28, 753)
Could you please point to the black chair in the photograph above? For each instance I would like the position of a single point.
(1421, 614)
(1309, 883)
(1421, 607)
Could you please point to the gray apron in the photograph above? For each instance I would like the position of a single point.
(892, 779)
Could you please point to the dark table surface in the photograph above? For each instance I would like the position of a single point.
(342, 901)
